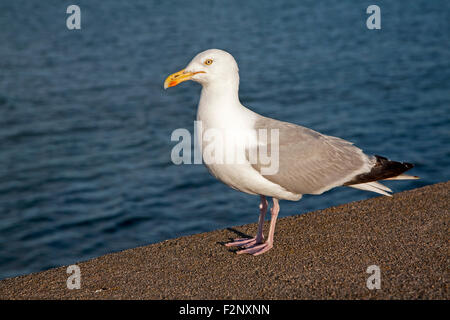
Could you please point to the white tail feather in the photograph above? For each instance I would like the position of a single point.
(403, 177)
(372, 186)
(379, 186)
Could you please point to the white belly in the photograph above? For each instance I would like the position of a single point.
(245, 178)
(235, 121)
(223, 151)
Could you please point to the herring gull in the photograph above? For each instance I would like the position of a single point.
(308, 162)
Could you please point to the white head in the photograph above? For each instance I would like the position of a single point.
(210, 67)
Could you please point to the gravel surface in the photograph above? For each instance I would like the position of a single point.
(318, 255)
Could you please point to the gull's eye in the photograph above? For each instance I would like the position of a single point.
(208, 62)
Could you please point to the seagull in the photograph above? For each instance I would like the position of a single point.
(308, 162)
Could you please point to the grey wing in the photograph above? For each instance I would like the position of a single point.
(310, 162)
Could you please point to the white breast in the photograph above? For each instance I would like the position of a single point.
(234, 123)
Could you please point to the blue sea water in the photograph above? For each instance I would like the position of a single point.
(85, 124)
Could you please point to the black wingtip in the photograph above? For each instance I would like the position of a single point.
(386, 162)
(408, 165)
(383, 169)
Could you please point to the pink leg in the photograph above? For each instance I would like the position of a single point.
(244, 242)
(258, 249)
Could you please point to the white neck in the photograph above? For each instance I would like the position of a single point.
(219, 106)
(222, 91)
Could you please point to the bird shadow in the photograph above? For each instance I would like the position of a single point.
(238, 233)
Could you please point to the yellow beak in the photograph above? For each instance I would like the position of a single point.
(178, 77)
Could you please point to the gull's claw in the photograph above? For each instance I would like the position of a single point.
(243, 242)
(257, 249)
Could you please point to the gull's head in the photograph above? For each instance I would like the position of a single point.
(212, 66)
